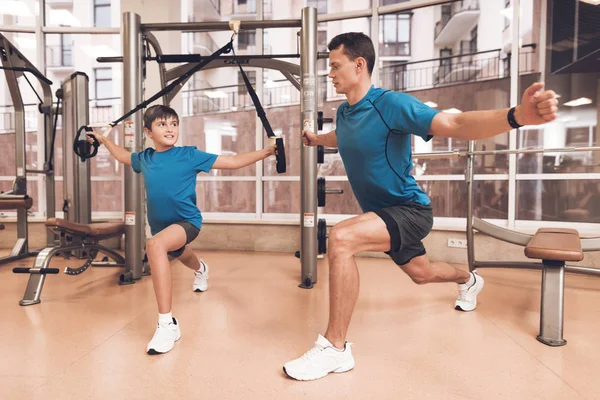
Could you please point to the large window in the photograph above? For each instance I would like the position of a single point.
(247, 40)
(320, 5)
(103, 85)
(102, 13)
(394, 35)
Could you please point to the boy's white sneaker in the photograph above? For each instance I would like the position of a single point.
(201, 278)
(164, 338)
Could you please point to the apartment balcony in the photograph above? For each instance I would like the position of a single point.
(457, 20)
(456, 70)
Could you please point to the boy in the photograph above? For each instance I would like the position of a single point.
(175, 220)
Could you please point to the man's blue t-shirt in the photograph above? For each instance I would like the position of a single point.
(170, 179)
(378, 162)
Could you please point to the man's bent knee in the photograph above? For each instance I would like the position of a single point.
(340, 242)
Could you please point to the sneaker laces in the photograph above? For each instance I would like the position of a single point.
(313, 352)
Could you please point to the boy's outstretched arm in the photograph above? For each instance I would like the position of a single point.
(118, 152)
(244, 159)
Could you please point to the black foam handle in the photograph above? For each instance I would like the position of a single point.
(280, 156)
(43, 271)
(82, 147)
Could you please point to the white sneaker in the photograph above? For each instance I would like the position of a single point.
(467, 294)
(164, 338)
(201, 278)
(319, 361)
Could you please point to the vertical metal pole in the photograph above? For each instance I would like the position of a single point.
(133, 131)
(46, 120)
(77, 177)
(20, 185)
(470, 176)
(514, 100)
(375, 36)
(552, 304)
(259, 133)
(308, 155)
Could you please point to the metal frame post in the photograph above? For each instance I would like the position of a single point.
(20, 185)
(77, 183)
(133, 141)
(470, 177)
(308, 154)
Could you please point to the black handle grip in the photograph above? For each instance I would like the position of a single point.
(280, 156)
(40, 271)
(82, 147)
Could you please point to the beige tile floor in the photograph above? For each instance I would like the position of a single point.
(87, 338)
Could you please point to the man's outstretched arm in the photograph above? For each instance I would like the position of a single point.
(536, 108)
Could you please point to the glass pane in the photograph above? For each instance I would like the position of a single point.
(403, 28)
(223, 134)
(107, 196)
(559, 200)
(235, 197)
(18, 12)
(104, 164)
(99, 13)
(285, 122)
(281, 197)
(449, 198)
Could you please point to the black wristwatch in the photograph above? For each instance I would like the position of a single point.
(511, 119)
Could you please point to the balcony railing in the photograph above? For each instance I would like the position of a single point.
(454, 70)
(455, 8)
(235, 97)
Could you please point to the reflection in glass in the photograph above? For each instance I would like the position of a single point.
(234, 197)
(559, 200)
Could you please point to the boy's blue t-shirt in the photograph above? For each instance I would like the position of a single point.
(170, 179)
(377, 162)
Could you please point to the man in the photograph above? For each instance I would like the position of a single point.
(373, 136)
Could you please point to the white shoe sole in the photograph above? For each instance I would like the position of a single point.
(198, 290)
(338, 370)
(154, 352)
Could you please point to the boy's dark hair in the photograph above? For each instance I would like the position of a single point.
(356, 44)
(158, 112)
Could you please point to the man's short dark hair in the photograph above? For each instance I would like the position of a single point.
(158, 112)
(356, 44)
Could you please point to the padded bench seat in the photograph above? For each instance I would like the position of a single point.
(12, 202)
(555, 244)
(98, 229)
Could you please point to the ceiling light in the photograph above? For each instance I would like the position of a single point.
(579, 102)
(431, 104)
(452, 111)
(592, 2)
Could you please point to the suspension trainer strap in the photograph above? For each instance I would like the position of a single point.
(280, 157)
(79, 148)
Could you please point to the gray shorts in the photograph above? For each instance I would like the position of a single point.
(407, 225)
(191, 232)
